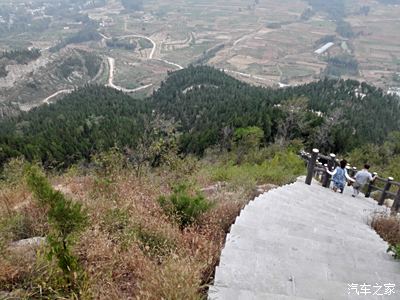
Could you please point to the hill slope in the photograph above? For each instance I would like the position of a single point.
(207, 105)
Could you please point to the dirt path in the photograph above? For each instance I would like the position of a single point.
(248, 35)
(112, 67)
(153, 50)
(111, 63)
(248, 75)
(171, 63)
(65, 91)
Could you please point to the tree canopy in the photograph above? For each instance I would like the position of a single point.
(208, 108)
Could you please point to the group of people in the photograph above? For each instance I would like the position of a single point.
(340, 177)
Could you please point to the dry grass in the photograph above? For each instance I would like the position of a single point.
(20, 218)
(388, 227)
(143, 254)
(12, 198)
(131, 249)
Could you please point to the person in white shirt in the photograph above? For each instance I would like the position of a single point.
(362, 178)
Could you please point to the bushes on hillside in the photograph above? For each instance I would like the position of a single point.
(284, 166)
(384, 159)
(183, 207)
(66, 219)
(247, 138)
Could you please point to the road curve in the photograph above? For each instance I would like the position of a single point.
(171, 63)
(153, 50)
(111, 63)
(65, 91)
(247, 75)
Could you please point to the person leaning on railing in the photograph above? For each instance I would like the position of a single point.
(339, 176)
(362, 178)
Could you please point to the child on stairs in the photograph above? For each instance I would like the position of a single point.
(339, 176)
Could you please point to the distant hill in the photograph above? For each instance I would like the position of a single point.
(204, 100)
(334, 115)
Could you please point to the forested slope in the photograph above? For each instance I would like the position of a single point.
(206, 100)
(92, 119)
(207, 105)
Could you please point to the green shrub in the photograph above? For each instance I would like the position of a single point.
(395, 249)
(221, 174)
(115, 221)
(15, 227)
(109, 164)
(246, 140)
(13, 171)
(66, 218)
(183, 207)
(153, 243)
(284, 167)
(243, 181)
(12, 228)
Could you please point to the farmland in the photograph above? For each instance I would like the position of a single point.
(262, 42)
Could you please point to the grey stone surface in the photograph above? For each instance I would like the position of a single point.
(304, 242)
(35, 241)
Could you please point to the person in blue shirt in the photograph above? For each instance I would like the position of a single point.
(339, 176)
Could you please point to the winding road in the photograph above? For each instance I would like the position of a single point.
(171, 63)
(111, 63)
(153, 50)
(65, 91)
(247, 75)
(112, 67)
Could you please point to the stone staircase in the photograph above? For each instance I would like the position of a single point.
(305, 242)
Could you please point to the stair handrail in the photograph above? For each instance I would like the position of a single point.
(316, 169)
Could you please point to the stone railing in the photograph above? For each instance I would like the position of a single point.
(317, 165)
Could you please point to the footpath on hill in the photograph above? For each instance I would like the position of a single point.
(306, 242)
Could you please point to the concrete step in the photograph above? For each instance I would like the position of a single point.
(314, 201)
(307, 232)
(261, 218)
(295, 245)
(303, 242)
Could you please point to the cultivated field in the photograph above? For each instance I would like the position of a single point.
(377, 48)
(263, 42)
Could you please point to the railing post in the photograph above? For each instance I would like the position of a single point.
(396, 203)
(331, 165)
(311, 165)
(325, 178)
(318, 173)
(385, 189)
(371, 183)
(354, 172)
(349, 172)
(321, 173)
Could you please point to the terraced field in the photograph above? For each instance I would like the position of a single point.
(262, 42)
